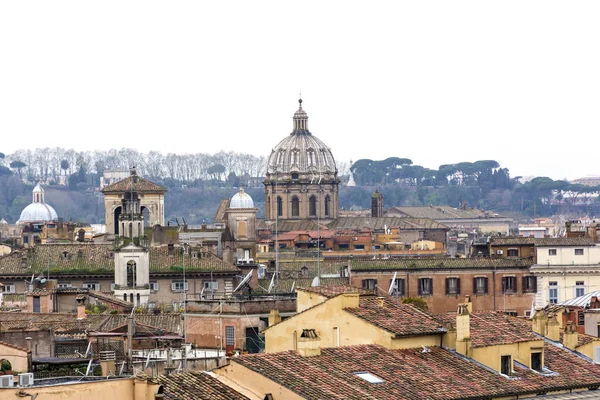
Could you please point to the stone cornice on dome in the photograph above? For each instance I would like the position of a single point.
(139, 185)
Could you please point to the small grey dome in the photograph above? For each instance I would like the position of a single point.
(241, 200)
(38, 210)
(301, 152)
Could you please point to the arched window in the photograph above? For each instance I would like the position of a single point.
(130, 273)
(295, 207)
(138, 299)
(312, 206)
(269, 207)
(279, 207)
(327, 205)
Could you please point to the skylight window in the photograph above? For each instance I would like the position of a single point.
(369, 377)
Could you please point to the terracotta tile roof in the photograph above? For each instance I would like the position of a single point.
(110, 299)
(556, 242)
(399, 319)
(220, 214)
(170, 322)
(409, 374)
(333, 291)
(490, 328)
(141, 186)
(294, 268)
(59, 322)
(438, 262)
(445, 212)
(380, 223)
(14, 346)
(287, 226)
(89, 258)
(285, 285)
(196, 385)
(511, 241)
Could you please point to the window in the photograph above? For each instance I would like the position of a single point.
(154, 286)
(425, 287)
(553, 292)
(64, 285)
(580, 318)
(536, 361)
(369, 377)
(513, 253)
(505, 365)
(512, 313)
(509, 284)
(359, 247)
(279, 207)
(480, 285)
(578, 252)
(327, 205)
(529, 284)
(177, 286)
(295, 174)
(579, 288)
(551, 252)
(597, 352)
(369, 284)
(452, 286)
(397, 287)
(229, 336)
(312, 206)
(91, 285)
(295, 207)
(8, 289)
(211, 286)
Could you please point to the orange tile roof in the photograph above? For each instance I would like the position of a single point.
(196, 385)
(333, 291)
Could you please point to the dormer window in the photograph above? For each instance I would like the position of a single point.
(506, 365)
(369, 377)
(536, 361)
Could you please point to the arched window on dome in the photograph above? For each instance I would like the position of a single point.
(279, 207)
(280, 157)
(327, 205)
(312, 206)
(295, 157)
(311, 157)
(295, 207)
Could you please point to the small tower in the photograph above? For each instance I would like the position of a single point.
(377, 204)
(132, 261)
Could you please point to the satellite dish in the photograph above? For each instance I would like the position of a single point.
(316, 282)
(244, 281)
(43, 280)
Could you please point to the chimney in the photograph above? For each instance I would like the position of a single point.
(463, 330)
(469, 304)
(553, 330)
(594, 303)
(380, 301)
(539, 322)
(80, 307)
(274, 317)
(570, 337)
(309, 343)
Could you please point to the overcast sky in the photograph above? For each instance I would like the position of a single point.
(436, 82)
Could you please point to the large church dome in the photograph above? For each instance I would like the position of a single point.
(302, 153)
(241, 200)
(38, 210)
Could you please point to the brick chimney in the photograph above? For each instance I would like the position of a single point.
(80, 307)
(594, 302)
(463, 330)
(274, 317)
(380, 301)
(553, 328)
(469, 304)
(570, 336)
(309, 343)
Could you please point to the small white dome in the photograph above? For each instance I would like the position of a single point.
(38, 212)
(241, 200)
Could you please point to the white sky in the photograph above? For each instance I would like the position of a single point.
(436, 82)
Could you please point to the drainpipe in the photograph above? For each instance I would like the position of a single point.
(494, 286)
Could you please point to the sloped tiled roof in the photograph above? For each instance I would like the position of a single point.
(170, 322)
(287, 226)
(333, 291)
(564, 241)
(399, 319)
(511, 241)
(491, 328)
(438, 262)
(433, 373)
(88, 258)
(445, 212)
(61, 323)
(380, 223)
(139, 185)
(285, 285)
(14, 346)
(196, 386)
